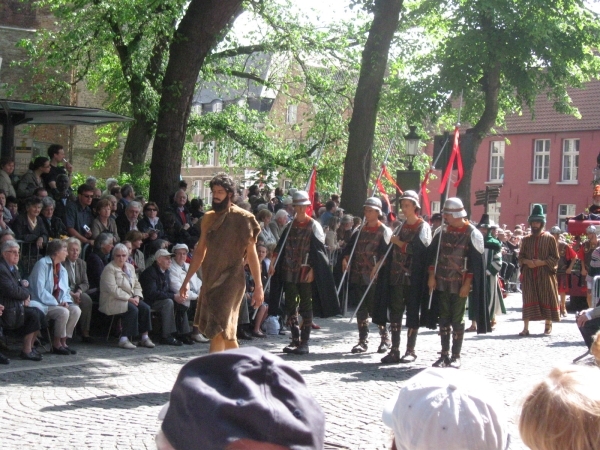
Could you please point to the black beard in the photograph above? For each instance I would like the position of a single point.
(536, 231)
(220, 206)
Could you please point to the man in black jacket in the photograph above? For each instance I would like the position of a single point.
(156, 285)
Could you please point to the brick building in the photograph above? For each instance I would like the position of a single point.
(547, 160)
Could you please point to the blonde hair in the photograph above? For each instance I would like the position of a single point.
(563, 411)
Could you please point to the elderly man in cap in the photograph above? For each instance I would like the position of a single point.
(585, 255)
(228, 234)
(371, 245)
(407, 277)
(458, 272)
(566, 260)
(255, 400)
(538, 259)
(303, 265)
(156, 285)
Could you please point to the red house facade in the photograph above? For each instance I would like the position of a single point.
(548, 160)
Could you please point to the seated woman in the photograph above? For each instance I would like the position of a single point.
(137, 257)
(121, 296)
(178, 271)
(13, 288)
(49, 288)
(79, 285)
(98, 259)
(150, 223)
(54, 226)
(104, 223)
(29, 227)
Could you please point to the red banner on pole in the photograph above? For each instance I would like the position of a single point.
(312, 187)
(426, 202)
(390, 178)
(454, 155)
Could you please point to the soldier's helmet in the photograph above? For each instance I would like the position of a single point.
(300, 198)
(412, 196)
(455, 207)
(373, 202)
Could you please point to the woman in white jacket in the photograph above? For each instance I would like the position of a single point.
(178, 271)
(121, 295)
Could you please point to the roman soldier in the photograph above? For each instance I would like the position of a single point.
(407, 277)
(303, 274)
(456, 271)
(566, 260)
(371, 245)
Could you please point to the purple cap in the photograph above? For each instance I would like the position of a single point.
(243, 393)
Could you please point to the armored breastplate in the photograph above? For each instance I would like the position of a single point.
(401, 262)
(451, 266)
(297, 248)
(365, 253)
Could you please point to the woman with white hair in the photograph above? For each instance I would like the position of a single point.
(50, 292)
(110, 183)
(121, 295)
(79, 285)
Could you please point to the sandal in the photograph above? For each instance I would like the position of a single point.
(548, 329)
(524, 333)
(471, 329)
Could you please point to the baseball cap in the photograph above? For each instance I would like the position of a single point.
(179, 247)
(162, 252)
(449, 409)
(243, 393)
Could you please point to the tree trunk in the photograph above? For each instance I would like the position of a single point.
(198, 31)
(136, 146)
(357, 166)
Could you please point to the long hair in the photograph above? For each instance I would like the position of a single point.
(225, 181)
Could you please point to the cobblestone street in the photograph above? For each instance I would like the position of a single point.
(106, 397)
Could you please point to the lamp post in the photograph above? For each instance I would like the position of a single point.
(413, 142)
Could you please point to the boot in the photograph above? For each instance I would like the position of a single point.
(363, 337)
(295, 330)
(457, 339)
(385, 343)
(455, 361)
(444, 359)
(304, 338)
(410, 355)
(393, 357)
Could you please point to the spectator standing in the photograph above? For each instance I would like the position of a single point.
(56, 153)
(330, 209)
(7, 167)
(266, 235)
(50, 292)
(79, 218)
(33, 177)
(62, 195)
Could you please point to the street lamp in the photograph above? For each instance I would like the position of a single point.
(413, 143)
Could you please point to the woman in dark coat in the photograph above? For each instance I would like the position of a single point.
(29, 227)
(54, 226)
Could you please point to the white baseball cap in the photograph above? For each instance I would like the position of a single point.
(447, 409)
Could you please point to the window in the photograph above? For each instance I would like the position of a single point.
(217, 106)
(435, 207)
(496, 161)
(211, 159)
(541, 160)
(570, 159)
(291, 116)
(564, 212)
(494, 212)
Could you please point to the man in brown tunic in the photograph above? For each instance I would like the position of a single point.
(228, 234)
(538, 259)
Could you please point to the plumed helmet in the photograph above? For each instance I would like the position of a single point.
(412, 196)
(373, 202)
(537, 214)
(591, 229)
(300, 198)
(455, 207)
(555, 230)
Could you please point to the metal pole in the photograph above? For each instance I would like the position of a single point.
(385, 160)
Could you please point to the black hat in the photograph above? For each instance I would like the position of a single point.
(243, 393)
(484, 222)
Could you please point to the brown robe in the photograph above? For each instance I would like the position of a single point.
(228, 234)
(539, 285)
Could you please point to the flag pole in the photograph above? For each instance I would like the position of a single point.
(385, 160)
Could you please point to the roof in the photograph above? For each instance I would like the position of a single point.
(546, 119)
(38, 114)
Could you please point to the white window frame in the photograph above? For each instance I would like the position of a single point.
(291, 116)
(436, 207)
(217, 106)
(496, 173)
(212, 159)
(570, 160)
(565, 210)
(541, 160)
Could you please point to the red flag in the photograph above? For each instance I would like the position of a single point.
(390, 178)
(426, 203)
(380, 187)
(454, 155)
(312, 187)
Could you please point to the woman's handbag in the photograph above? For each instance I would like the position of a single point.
(13, 315)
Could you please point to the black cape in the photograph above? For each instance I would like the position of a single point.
(476, 266)
(325, 301)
